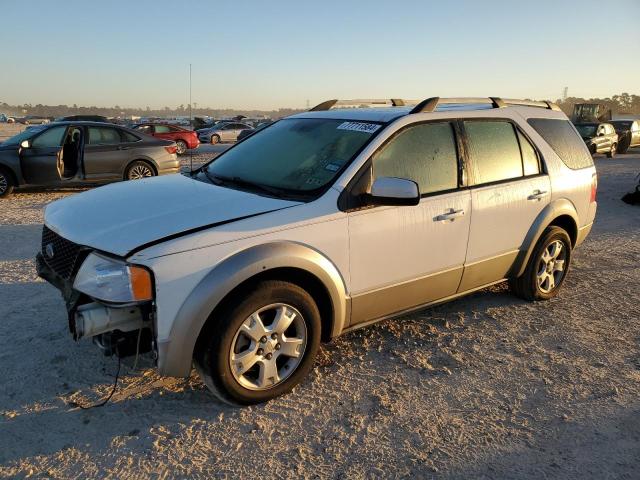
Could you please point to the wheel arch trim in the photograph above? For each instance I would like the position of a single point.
(175, 354)
(558, 208)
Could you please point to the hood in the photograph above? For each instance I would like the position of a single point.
(121, 217)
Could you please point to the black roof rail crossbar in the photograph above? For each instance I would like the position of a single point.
(324, 105)
(327, 105)
(430, 104)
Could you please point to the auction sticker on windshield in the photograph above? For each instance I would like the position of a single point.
(359, 127)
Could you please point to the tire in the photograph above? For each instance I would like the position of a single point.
(528, 286)
(215, 139)
(612, 152)
(268, 351)
(6, 183)
(181, 147)
(623, 146)
(138, 170)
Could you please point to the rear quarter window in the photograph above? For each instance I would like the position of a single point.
(563, 139)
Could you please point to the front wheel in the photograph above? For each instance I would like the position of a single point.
(138, 170)
(261, 345)
(612, 152)
(215, 139)
(6, 184)
(547, 268)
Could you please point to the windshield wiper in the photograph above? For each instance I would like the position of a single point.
(241, 182)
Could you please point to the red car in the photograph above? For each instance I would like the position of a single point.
(185, 139)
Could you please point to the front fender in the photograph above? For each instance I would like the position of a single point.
(175, 355)
(552, 211)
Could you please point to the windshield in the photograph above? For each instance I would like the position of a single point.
(28, 133)
(587, 130)
(622, 125)
(294, 155)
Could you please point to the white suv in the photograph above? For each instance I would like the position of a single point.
(321, 223)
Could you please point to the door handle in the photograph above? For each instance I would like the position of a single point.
(451, 215)
(537, 195)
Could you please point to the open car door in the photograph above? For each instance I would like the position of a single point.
(41, 158)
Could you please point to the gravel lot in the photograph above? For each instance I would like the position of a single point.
(488, 386)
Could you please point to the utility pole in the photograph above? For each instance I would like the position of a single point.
(565, 93)
(190, 120)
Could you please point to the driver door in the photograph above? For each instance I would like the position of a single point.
(403, 257)
(42, 162)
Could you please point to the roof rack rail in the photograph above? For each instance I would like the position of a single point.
(430, 104)
(391, 102)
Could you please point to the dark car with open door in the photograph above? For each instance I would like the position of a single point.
(628, 134)
(70, 153)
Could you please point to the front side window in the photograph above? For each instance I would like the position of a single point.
(24, 135)
(298, 155)
(103, 136)
(423, 153)
(494, 151)
(51, 137)
(162, 129)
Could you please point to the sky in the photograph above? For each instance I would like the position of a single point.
(265, 55)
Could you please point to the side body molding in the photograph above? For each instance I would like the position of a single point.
(555, 209)
(175, 355)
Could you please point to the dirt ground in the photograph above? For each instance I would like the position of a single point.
(486, 387)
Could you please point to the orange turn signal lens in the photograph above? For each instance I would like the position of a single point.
(141, 287)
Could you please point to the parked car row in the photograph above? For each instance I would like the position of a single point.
(26, 120)
(614, 136)
(65, 153)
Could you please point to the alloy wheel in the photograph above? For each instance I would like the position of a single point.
(268, 347)
(140, 171)
(4, 184)
(551, 266)
(181, 147)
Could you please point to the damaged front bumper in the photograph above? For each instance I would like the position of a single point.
(114, 328)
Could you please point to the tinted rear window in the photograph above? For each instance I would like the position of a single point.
(563, 139)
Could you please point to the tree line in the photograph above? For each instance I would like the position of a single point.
(620, 104)
(122, 112)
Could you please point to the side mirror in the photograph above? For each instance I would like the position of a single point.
(394, 191)
(25, 144)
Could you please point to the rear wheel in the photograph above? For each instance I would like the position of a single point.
(261, 345)
(612, 152)
(547, 268)
(6, 183)
(215, 139)
(181, 147)
(139, 169)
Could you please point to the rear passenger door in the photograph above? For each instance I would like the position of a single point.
(509, 189)
(104, 154)
(403, 257)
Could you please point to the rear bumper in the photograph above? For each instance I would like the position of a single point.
(582, 233)
(169, 166)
